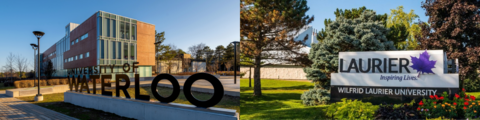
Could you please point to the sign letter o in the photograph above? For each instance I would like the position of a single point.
(217, 86)
(176, 88)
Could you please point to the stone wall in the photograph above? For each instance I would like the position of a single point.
(277, 72)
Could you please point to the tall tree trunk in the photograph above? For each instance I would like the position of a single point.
(257, 88)
(250, 77)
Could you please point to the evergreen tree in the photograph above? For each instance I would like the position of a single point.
(453, 27)
(268, 25)
(364, 33)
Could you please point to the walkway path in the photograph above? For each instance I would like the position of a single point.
(15, 109)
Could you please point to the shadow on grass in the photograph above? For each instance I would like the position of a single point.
(270, 96)
(313, 113)
(298, 87)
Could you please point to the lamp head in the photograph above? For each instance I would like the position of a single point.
(38, 34)
(33, 45)
(235, 42)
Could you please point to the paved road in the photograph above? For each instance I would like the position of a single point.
(15, 109)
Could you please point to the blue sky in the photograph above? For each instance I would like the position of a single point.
(324, 9)
(213, 22)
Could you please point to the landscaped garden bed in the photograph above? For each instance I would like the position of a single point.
(281, 100)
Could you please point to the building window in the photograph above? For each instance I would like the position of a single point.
(114, 50)
(100, 26)
(119, 50)
(76, 57)
(102, 53)
(108, 27)
(87, 54)
(132, 51)
(127, 31)
(65, 60)
(81, 56)
(134, 31)
(114, 30)
(84, 36)
(122, 30)
(76, 41)
(73, 42)
(125, 51)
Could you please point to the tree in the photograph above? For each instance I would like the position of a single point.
(219, 52)
(159, 38)
(209, 57)
(168, 53)
(270, 25)
(348, 14)
(48, 69)
(21, 64)
(228, 64)
(10, 65)
(453, 27)
(364, 33)
(402, 28)
(197, 50)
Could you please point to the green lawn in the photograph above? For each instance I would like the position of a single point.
(5, 88)
(280, 100)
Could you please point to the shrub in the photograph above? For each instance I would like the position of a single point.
(398, 111)
(16, 83)
(227, 72)
(43, 83)
(63, 81)
(29, 83)
(351, 109)
(315, 96)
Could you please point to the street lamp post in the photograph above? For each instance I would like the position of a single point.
(34, 47)
(235, 61)
(38, 34)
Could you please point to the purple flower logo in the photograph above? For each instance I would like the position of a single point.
(423, 64)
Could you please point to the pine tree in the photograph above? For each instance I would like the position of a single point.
(364, 33)
(268, 25)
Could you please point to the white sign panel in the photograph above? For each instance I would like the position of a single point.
(419, 68)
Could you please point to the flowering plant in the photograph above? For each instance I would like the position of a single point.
(461, 106)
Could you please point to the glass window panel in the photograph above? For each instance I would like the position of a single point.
(100, 25)
(122, 30)
(134, 31)
(114, 30)
(114, 50)
(73, 42)
(102, 55)
(87, 54)
(81, 56)
(127, 31)
(119, 50)
(125, 51)
(76, 41)
(132, 51)
(108, 27)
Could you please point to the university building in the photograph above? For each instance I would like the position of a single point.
(104, 39)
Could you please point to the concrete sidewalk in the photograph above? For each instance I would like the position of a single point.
(13, 108)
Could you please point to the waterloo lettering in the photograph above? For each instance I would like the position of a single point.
(80, 83)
